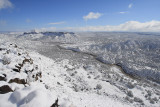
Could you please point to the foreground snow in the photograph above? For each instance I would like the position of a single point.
(51, 87)
(31, 96)
(54, 85)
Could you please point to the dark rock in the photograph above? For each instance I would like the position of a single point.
(7, 52)
(16, 70)
(28, 60)
(55, 104)
(26, 71)
(2, 78)
(36, 78)
(36, 67)
(18, 81)
(32, 70)
(46, 86)
(21, 65)
(5, 75)
(5, 89)
(19, 54)
(2, 49)
(15, 46)
(39, 74)
(19, 68)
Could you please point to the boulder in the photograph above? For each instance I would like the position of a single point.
(5, 89)
(18, 81)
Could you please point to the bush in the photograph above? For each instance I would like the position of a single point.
(136, 99)
(149, 93)
(130, 94)
(128, 99)
(155, 99)
(130, 85)
(6, 60)
(98, 87)
(151, 101)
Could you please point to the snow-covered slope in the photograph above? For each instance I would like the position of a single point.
(29, 79)
(75, 77)
(139, 54)
(19, 74)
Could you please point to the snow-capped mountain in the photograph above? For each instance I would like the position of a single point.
(50, 36)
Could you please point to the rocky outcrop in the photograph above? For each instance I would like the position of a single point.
(18, 81)
(55, 104)
(17, 67)
(5, 89)
(2, 78)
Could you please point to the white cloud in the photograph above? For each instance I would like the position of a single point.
(46, 29)
(130, 5)
(92, 15)
(130, 26)
(56, 23)
(123, 12)
(3, 22)
(5, 4)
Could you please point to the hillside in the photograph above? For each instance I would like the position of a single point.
(38, 71)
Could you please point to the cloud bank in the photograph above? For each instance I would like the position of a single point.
(5, 4)
(130, 26)
(92, 15)
(56, 23)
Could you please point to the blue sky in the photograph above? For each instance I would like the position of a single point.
(20, 15)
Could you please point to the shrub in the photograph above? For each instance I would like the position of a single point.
(136, 99)
(98, 87)
(149, 93)
(128, 99)
(130, 85)
(130, 94)
(151, 101)
(6, 60)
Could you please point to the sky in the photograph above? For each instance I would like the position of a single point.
(80, 15)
